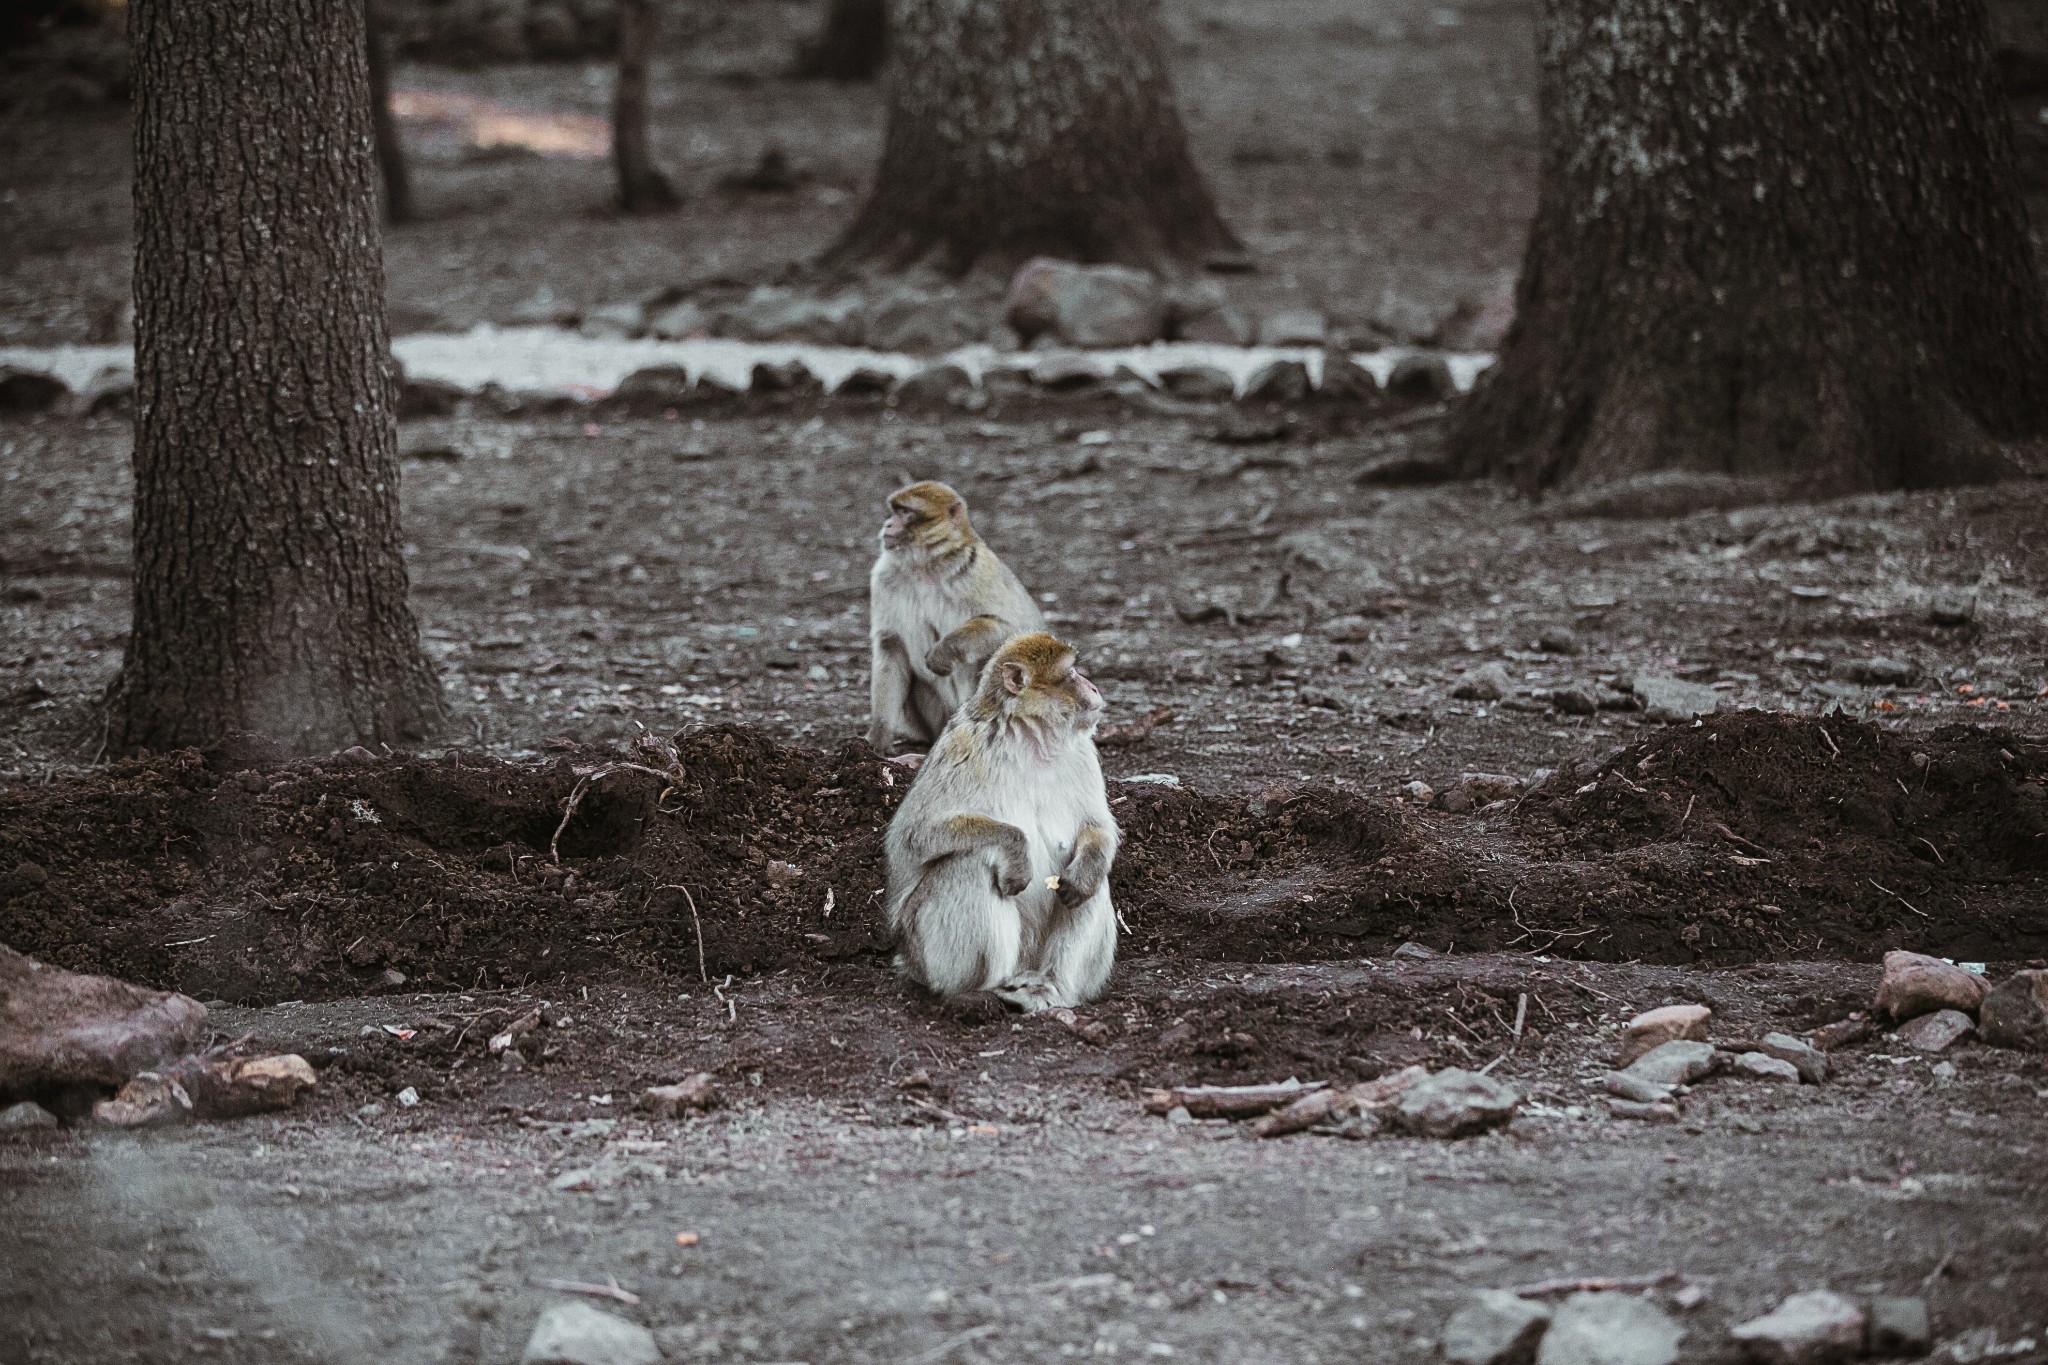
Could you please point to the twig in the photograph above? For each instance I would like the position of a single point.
(1136, 733)
(1688, 813)
(1900, 899)
(1593, 1284)
(732, 1006)
(1932, 849)
(1940, 1269)
(1830, 739)
(610, 1290)
(952, 1344)
(944, 1113)
(1521, 1014)
(696, 924)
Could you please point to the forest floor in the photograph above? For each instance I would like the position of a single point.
(582, 578)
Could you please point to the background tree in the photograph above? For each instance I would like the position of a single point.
(398, 202)
(270, 588)
(1031, 126)
(642, 188)
(1770, 240)
(850, 47)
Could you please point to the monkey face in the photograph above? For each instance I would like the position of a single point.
(1040, 678)
(924, 514)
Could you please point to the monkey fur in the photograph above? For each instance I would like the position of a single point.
(939, 604)
(999, 856)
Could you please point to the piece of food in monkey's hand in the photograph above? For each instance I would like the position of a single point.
(1052, 883)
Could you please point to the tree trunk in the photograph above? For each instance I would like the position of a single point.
(851, 46)
(1774, 241)
(398, 205)
(270, 587)
(1026, 127)
(642, 188)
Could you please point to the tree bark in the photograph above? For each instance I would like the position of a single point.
(1029, 127)
(852, 45)
(270, 585)
(398, 203)
(1774, 241)
(642, 188)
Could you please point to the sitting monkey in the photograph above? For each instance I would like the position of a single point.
(999, 856)
(939, 603)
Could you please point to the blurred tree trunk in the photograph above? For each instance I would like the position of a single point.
(398, 205)
(270, 587)
(642, 188)
(1020, 127)
(1770, 241)
(851, 46)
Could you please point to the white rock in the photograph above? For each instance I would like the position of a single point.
(1819, 1327)
(1935, 1032)
(1610, 1329)
(1654, 1028)
(1811, 1061)
(1678, 1062)
(1494, 1327)
(1759, 1066)
(577, 1334)
(1675, 701)
(1453, 1103)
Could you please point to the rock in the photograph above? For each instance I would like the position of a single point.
(1453, 1103)
(683, 318)
(1346, 630)
(1494, 1327)
(1488, 682)
(1654, 1028)
(24, 1117)
(1069, 371)
(791, 376)
(1935, 1032)
(653, 390)
(111, 392)
(1420, 792)
(671, 1101)
(935, 385)
(1811, 1062)
(1224, 326)
(1345, 381)
(577, 1334)
(1659, 1112)
(1332, 699)
(150, 1099)
(1761, 1066)
(865, 381)
(1674, 701)
(1558, 640)
(909, 319)
(1610, 1329)
(1085, 305)
(1897, 1326)
(428, 397)
(1877, 672)
(226, 1088)
(1952, 607)
(1198, 384)
(1294, 327)
(1408, 321)
(24, 392)
(1915, 984)
(1636, 1089)
(1678, 1062)
(2016, 1014)
(580, 1180)
(1841, 1033)
(614, 320)
(1475, 791)
(1422, 378)
(1277, 381)
(62, 1031)
(1819, 1327)
(1575, 699)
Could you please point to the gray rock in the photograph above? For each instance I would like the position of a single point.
(1423, 378)
(1575, 699)
(577, 1334)
(1877, 672)
(1952, 607)
(2016, 1013)
(62, 1030)
(1558, 640)
(1198, 384)
(428, 398)
(791, 376)
(1678, 1062)
(1675, 701)
(1662, 1111)
(614, 320)
(1416, 952)
(1761, 1066)
(934, 385)
(1819, 1327)
(1332, 699)
(1085, 305)
(1494, 1327)
(1638, 1089)
(683, 318)
(1453, 1103)
(1915, 984)
(1811, 1062)
(1294, 327)
(1610, 1329)
(1344, 381)
(1897, 1326)
(111, 392)
(772, 313)
(1278, 381)
(1329, 578)
(1488, 682)
(1069, 371)
(1346, 630)
(915, 321)
(24, 1117)
(1935, 1032)
(23, 392)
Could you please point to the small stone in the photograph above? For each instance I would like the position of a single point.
(1278, 381)
(1346, 381)
(1678, 1062)
(654, 388)
(1418, 791)
(1636, 1089)
(1952, 607)
(29, 391)
(581, 1180)
(1488, 682)
(1494, 1327)
(1675, 701)
(1654, 1028)
(1876, 672)
(1819, 1327)
(1198, 384)
(818, 673)
(671, 1101)
(577, 1334)
(149, 1098)
(1842, 1032)
(1916, 984)
(1610, 1329)
(1179, 1114)
(1810, 1060)
(937, 384)
(2016, 1014)
(1085, 305)
(1476, 791)
(1453, 1103)
(1294, 327)
(1347, 630)
(24, 1117)
(1558, 640)
(1422, 378)
(1331, 699)
(615, 320)
(683, 318)
(1759, 1066)
(1897, 1326)
(1416, 952)
(1935, 1032)
(1575, 699)
(1662, 1112)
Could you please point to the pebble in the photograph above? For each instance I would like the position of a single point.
(577, 1334)
(1488, 682)
(1294, 327)
(1760, 1066)
(1454, 1103)
(1421, 793)
(1653, 1028)
(1494, 1327)
(1647, 1113)
(1610, 1329)
(24, 1116)
(1416, 952)
(1897, 1326)
(1558, 640)
(1278, 381)
(1347, 630)
(1424, 377)
(1876, 672)
(671, 1101)
(1635, 1089)
(1819, 1327)
(1915, 983)
(1576, 699)
(1678, 1062)
(1952, 607)
(2016, 1014)
(581, 1180)
(1811, 1061)
(1675, 701)
(1935, 1032)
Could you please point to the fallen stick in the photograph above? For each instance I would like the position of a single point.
(1306, 1112)
(1593, 1284)
(1228, 1101)
(595, 1291)
(1137, 732)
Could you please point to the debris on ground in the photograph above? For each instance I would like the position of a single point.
(1897, 1326)
(1228, 1101)
(68, 1038)
(1818, 1327)
(1453, 1103)
(208, 1086)
(673, 1101)
(577, 1334)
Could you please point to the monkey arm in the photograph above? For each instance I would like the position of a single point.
(1088, 865)
(973, 834)
(976, 638)
(891, 717)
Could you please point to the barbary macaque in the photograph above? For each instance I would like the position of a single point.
(999, 856)
(939, 604)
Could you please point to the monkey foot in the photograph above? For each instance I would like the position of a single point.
(1030, 992)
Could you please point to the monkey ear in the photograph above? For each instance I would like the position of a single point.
(957, 513)
(1015, 676)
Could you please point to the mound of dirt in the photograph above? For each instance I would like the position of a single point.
(230, 874)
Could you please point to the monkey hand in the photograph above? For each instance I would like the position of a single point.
(938, 660)
(1013, 866)
(1078, 883)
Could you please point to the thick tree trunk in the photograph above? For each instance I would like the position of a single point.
(1776, 241)
(398, 205)
(1022, 127)
(642, 188)
(852, 45)
(270, 587)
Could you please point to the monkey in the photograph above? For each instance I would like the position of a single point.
(939, 604)
(999, 857)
